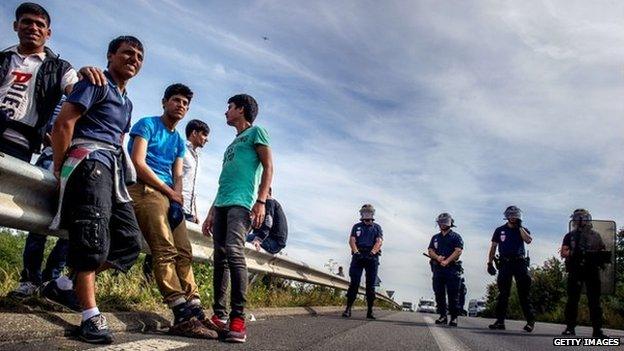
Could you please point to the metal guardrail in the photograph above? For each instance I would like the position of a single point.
(28, 200)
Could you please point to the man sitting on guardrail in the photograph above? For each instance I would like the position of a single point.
(240, 203)
(272, 234)
(157, 150)
(89, 160)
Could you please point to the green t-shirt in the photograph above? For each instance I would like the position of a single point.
(241, 172)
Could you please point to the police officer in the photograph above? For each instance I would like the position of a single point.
(512, 263)
(365, 242)
(444, 250)
(581, 250)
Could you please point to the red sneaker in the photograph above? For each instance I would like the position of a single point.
(238, 332)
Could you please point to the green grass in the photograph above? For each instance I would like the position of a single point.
(131, 292)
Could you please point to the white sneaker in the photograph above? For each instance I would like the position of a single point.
(24, 290)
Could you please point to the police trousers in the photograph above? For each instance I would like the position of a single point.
(362, 262)
(446, 281)
(591, 278)
(513, 269)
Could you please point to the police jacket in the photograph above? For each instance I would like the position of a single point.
(585, 246)
(47, 94)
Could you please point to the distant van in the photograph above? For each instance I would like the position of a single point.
(426, 306)
(475, 308)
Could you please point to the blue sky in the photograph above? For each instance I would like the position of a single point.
(416, 107)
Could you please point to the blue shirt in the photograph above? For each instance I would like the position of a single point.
(509, 241)
(106, 116)
(366, 235)
(445, 245)
(163, 146)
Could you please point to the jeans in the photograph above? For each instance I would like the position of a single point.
(231, 224)
(33, 257)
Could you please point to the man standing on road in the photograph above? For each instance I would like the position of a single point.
(157, 152)
(584, 252)
(94, 204)
(444, 250)
(272, 235)
(240, 204)
(512, 263)
(365, 242)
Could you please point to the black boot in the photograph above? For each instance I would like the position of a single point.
(441, 320)
(347, 312)
(369, 313)
(497, 325)
(598, 333)
(569, 332)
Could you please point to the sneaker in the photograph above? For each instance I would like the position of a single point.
(599, 334)
(497, 325)
(24, 290)
(453, 322)
(238, 332)
(347, 313)
(441, 320)
(65, 298)
(216, 323)
(95, 330)
(569, 332)
(529, 326)
(193, 328)
(370, 316)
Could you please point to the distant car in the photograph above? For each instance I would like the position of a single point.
(476, 308)
(407, 307)
(426, 306)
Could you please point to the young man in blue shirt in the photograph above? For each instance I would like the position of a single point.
(444, 250)
(510, 239)
(94, 204)
(365, 242)
(157, 151)
(240, 204)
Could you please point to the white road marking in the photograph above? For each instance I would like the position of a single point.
(145, 345)
(444, 339)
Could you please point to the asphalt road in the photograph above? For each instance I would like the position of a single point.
(391, 331)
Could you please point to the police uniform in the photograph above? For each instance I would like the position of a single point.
(583, 268)
(366, 236)
(446, 280)
(512, 264)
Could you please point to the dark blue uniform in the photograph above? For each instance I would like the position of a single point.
(512, 264)
(446, 279)
(365, 238)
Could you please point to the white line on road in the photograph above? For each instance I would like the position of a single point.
(444, 339)
(144, 345)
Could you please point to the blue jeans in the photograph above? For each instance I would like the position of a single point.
(269, 245)
(33, 258)
(35, 246)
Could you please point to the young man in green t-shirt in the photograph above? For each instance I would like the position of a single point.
(240, 203)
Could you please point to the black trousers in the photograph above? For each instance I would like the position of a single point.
(591, 278)
(446, 281)
(518, 270)
(362, 262)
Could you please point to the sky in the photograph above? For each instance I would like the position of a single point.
(417, 107)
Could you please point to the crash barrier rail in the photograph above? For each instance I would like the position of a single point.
(28, 201)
